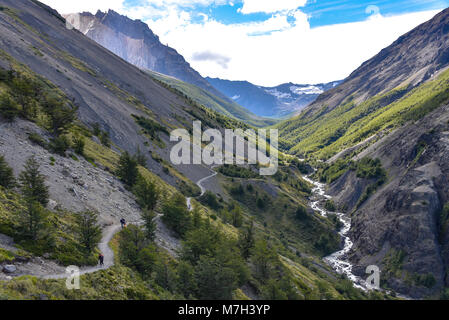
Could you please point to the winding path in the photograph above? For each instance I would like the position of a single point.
(203, 189)
(108, 234)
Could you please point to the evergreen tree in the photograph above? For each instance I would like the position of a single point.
(7, 179)
(263, 259)
(140, 158)
(186, 279)
(147, 193)
(176, 215)
(127, 169)
(149, 217)
(9, 109)
(33, 219)
(237, 216)
(132, 241)
(246, 241)
(89, 233)
(32, 183)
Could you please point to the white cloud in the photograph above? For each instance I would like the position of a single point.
(269, 52)
(271, 6)
(64, 6)
(296, 53)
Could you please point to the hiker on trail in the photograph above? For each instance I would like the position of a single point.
(123, 222)
(101, 259)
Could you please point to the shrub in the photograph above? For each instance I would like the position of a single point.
(60, 145)
(78, 144)
(37, 139)
(330, 206)
(105, 139)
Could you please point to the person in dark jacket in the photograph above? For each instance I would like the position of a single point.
(123, 222)
(101, 259)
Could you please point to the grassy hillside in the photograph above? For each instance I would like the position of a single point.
(209, 100)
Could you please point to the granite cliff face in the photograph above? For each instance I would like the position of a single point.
(134, 41)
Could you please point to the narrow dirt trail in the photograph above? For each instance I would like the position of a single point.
(203, 189)
(108, 234)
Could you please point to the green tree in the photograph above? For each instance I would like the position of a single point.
(9, 109)
(273, 291)
(33, 219)
(264, 259)
(246, 241)
(7, 179)
(105, 139)
(146, 192)
(176, 215)
(215, 280)
(127, 169)
(140, 158)
(165, 275)
(149, 218)
(132, 241)
(237, 216)
(32, 183)
(186, 279)
(23, 92)
(89, 233)
(61, 116)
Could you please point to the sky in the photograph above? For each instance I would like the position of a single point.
(269, 42)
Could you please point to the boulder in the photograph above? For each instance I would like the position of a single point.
(9, 268)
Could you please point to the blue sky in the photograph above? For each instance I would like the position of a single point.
(320, 12)
(269, 42)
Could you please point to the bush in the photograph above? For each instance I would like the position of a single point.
(330, 206)
(78, 144)
(368, 168)
(38, 139)
(60, 145)
(105, 139)
(237, 172)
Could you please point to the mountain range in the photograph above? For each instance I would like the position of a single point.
(283, 101)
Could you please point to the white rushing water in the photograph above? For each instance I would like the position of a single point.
(338, 260)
